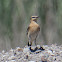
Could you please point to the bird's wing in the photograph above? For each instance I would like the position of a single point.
(38, 28)
(27, 30)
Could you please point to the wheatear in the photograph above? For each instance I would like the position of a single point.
(33, 30)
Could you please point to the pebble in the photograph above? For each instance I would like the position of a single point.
(12, 58)
(31, 61)
(25, 50)
(3, 52)
(19, 49)
(12, 61)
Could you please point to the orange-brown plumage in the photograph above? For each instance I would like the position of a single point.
(33, 30)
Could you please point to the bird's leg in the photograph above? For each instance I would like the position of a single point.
(35, 41)
(29, 44)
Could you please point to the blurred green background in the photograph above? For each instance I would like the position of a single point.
(15, 18)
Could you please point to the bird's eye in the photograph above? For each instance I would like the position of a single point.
(33, 17)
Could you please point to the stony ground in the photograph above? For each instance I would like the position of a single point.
(52, 53)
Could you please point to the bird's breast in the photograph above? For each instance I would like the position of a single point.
(33, 27)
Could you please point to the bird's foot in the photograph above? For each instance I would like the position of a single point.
(36, 48)
(29, 44)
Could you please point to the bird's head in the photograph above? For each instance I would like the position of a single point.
(34, 18)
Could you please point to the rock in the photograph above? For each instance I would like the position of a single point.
(19, 49)
(12, 61)
(31, 61)
(43, 59)
(3, 52)
(26, 49)
(12, 58)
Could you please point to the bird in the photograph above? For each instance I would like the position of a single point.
(33, 30)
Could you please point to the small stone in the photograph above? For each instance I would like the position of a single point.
(12, 58)
(43, 58)
(26, 56)
(60, 51)
(19, 49)
(3, 52)
(26, 50)
(31, 61)
(12, 61)
(11, 50)
(50, 52)
(54, 52)
(6, 61)
(38, 46)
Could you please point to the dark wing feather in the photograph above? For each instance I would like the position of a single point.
(27, 30)
(38, 29)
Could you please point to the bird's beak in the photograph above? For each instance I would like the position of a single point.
(37, 17)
